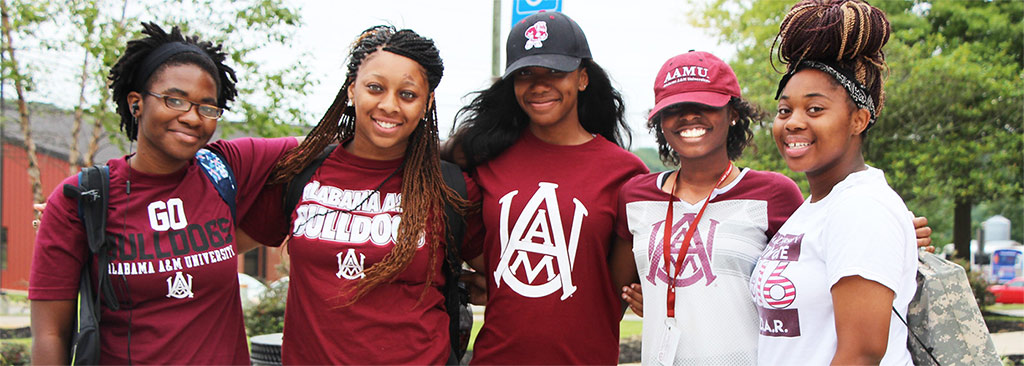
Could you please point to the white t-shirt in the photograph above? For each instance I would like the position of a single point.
(713, 310)
(861, 228)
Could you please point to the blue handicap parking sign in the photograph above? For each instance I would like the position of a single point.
(524, 8)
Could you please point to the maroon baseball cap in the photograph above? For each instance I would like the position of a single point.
(694, 77)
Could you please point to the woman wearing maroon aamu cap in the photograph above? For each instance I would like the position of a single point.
(544, 145)
(699, 314)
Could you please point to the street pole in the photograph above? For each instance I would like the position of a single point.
(496, 38)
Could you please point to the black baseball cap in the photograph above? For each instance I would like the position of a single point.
(546, 39)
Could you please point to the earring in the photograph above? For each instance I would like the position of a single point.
(733, 123)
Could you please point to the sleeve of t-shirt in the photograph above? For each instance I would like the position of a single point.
(473, 243)
(865, 239)
(266, 222)
(60, 250)
(621, 220)
(786, 199)
(252, 159)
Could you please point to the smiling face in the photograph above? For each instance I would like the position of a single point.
(167, 138)
(818, 128)
(549, 96)
(696, 131)
(391, 95)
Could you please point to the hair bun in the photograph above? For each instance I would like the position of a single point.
(832, 30)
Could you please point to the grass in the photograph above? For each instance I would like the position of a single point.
(998, 307)
(26, 341)
(627, 328)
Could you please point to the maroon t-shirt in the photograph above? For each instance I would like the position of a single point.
(332, 242)
(175, 270)
(549, 213)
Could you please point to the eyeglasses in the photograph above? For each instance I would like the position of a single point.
(185, 105)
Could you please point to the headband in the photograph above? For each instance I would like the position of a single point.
(857, 91)
(162, 54)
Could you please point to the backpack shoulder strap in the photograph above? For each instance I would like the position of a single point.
(92, 195)
(455, 230)
(293, 191)
(217, 170)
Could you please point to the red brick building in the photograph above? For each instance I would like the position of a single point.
(51, 131)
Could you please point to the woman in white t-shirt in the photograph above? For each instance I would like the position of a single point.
(828, 282)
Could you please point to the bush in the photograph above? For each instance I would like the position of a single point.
(12, 353)
(268, 316)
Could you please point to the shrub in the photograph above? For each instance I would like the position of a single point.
(12, 353)
(268, 316)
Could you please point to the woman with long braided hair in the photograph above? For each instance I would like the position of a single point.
(829, 285)
(173, 269)
(367, 237)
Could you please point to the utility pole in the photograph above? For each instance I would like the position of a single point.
(496, 39)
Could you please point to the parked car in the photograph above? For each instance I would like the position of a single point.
(1011, 292)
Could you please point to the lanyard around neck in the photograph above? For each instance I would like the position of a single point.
(685, 246)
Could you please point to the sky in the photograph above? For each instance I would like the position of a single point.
(630, 39)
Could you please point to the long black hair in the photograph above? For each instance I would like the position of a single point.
(123, 73)
(494, 120)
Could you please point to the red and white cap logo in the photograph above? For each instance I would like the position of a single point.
(536, 34)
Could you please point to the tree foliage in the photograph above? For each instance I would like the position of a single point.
(950, 133)
(93, 34)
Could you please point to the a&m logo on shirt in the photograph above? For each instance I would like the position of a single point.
(696, 265)
(179, 287)
(350, 267)
(538, 233)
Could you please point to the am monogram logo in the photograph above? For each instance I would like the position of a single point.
(531, 235)
(349, 266)
(179, 288)
(698, 256)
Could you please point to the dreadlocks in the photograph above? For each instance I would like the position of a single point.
(130, 73)
(424, 192)
(849, 33)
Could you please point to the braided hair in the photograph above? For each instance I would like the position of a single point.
(738, 138)
(848, 33)
(424, 192)
(494, 120)
(124, 73)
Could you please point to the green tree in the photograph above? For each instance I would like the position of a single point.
(950, 136)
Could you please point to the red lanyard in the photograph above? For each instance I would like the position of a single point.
(686, 240)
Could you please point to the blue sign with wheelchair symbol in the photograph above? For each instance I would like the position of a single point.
(524, 8)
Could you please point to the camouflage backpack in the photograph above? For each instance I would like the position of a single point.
(944, 319)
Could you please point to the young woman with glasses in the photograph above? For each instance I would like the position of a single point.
(174, 267)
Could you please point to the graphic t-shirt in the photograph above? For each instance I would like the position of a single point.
(718, 323)
(861, 228)
(175, 267)
(549, 213)
(341, 227)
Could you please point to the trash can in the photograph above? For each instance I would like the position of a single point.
(265, 349)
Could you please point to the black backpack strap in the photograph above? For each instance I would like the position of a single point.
(92, 195)
(220, 174)
(456, 230)
(911, 331)
(293, 191)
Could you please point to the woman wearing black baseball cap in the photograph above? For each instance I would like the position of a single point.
(544, 143)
